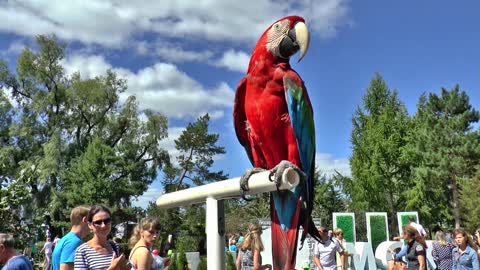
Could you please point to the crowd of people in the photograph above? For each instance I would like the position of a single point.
(451, 251)
(457, 251)
(99, 253)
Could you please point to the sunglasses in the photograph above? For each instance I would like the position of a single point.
(101, 222)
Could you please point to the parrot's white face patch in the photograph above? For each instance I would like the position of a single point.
(275, 36)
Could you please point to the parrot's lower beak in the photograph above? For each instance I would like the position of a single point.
(298, 39)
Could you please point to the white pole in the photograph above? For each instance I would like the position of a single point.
(215, 234)
(214, 194)
(258, 183)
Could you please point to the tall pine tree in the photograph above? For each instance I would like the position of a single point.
(380, 174)
(445, 154)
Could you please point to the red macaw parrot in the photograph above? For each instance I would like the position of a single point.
(273, 120)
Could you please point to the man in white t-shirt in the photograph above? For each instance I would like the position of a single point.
(417, 226)
(325, 251)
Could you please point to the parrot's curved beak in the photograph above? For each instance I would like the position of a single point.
(303, 38)
(297, 39)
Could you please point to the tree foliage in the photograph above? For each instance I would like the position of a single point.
(380, 173)
(446, 154)
(69, 140)
(197, 147)
(328, 197)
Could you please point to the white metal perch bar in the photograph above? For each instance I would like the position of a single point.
(214, 194)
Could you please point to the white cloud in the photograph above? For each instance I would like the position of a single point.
(116, 23)
(89, 66)
(324, 17)
(328, 165)
(161, 87)
(172, 52)
(169, 143)
(164, 88)
(102, 22)
(177, 54)
(16, 47)
(234, 61)
(151, 195)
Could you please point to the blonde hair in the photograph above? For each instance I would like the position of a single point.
(440, 237)
(337, 231)
(146, 224)
(252, 240)
(77, 214)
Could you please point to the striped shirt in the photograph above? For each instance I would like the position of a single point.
(87, 258)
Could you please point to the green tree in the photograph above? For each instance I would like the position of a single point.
(197, 148)
(230, 261)
(69, 140)
(446, 154)
(174, 262)
(203, 263)
(328, 198)
(470, 204)
(380, 174)
(182, 263)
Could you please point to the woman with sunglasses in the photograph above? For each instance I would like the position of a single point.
(143, 238)
(99, 253)
(463, 255)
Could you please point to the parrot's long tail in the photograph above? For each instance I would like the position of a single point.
(284, 242)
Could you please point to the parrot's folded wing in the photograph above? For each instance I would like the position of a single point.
(240, 119)
(301, 117)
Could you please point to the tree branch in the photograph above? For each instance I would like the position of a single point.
(180, 180)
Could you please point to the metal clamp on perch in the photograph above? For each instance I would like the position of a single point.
(257, 183)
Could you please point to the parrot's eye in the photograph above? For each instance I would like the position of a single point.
(276, 26)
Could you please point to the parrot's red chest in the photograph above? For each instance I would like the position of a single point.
(267, 113)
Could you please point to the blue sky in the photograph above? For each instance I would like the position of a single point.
(185, 58)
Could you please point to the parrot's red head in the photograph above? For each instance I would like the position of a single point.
(283, 39)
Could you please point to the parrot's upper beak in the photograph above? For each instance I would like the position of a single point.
(303, 38)
(298, 39)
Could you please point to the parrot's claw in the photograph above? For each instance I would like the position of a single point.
(244, 181)
(276, 173)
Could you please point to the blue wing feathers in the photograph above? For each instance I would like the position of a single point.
(301, 117)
